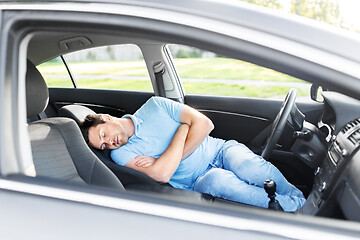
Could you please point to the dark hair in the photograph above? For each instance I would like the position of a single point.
(91, 120)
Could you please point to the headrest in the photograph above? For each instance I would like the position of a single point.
(76, 112)
(37, 94)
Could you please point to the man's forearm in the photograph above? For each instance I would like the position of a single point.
(166, 165)
(197, 134)
(200, 127)
(163, 168)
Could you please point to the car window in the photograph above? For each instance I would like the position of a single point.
(207, 73)
(55, 73)
(110, 67)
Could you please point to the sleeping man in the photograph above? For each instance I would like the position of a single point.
(170, 142)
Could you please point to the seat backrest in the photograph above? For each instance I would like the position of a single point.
(126, 175)
(59, 150)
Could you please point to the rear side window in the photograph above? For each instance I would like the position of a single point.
(118, 67)
(55, 73)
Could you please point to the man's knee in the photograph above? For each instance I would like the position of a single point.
(211, 181)
(238, 151)
(238, 157)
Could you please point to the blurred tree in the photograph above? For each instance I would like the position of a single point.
(321, 10)
(189, 53)
(266, 3)
(90, 56)
(110, 52)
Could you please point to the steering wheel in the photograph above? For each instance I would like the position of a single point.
(279, 123)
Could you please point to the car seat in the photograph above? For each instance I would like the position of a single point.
(58, 148)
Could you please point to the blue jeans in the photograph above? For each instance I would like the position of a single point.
(238, 174)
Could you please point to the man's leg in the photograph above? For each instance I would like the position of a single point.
(253, 169)
(225, 184)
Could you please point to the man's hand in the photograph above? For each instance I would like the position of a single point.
(144, 161)
(164, 167)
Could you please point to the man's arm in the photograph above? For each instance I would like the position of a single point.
(165, 166)
(200, 127)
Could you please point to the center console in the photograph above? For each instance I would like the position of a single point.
(342, 148)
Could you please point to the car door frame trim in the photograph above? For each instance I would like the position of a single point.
(294, 231)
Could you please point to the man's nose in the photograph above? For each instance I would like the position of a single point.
(109, 141)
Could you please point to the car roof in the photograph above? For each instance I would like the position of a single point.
(297, 28)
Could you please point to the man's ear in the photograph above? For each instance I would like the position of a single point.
(106, 117)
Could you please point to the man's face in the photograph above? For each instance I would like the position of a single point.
(108, 135)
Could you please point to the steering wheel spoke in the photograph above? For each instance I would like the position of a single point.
(279, 123)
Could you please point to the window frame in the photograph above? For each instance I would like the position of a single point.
(69, 71)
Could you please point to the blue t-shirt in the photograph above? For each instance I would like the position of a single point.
(155, 125)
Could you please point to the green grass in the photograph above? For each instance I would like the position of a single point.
(223, 68)
(137, 85)
(199, 68)
(58, 82)
(239, 91)
(128, 68)
(117, 84)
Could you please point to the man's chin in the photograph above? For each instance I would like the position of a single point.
(115, 147)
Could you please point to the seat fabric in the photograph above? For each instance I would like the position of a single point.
(58, 148)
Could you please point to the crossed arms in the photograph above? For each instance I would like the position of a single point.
(190, 134)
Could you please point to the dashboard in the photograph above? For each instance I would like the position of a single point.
(336, 189)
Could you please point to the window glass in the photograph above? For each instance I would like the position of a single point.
(55, 73)
(207, 73)
(111, 67)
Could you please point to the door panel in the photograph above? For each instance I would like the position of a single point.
(234, 118)
(110, 214)
(243, 119)
(227, 124)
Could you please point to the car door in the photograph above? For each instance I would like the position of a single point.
(53, 209)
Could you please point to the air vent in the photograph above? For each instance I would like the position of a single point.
(354, 137)
(351, 125)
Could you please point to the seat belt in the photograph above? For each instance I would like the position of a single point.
(42, 115)
(159, 70)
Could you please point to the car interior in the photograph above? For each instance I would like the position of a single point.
(54, 125)
(60, 152)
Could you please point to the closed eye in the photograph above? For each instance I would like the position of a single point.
(102, 136)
